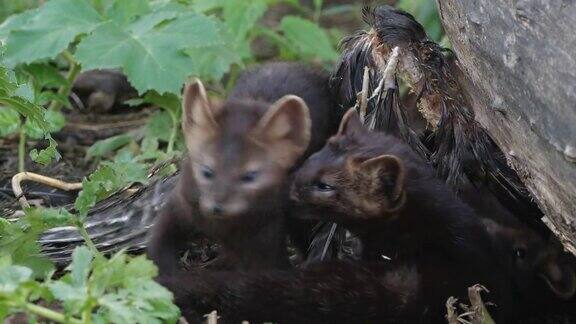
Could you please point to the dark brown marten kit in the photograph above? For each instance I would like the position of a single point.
(279, 154)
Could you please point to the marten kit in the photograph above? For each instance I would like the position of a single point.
(280, 154)
(233, 187)
(421, 243)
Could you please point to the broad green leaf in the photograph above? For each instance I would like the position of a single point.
(207, 5)
(12, 276)
(240, 16)
(50, 31)
(212, 62)
(308, 38)
(15, 22)
(80, 266)
(47, 155)
(152, 58)
(167, 101)
(9, 121)
(103, 147)
(124, 12)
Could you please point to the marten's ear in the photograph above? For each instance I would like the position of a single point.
(284, 129)
(386, 172)
(350, 124)
(196, 110)
(560, 278)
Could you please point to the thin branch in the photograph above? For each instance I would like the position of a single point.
(364, 94)
(29, 176)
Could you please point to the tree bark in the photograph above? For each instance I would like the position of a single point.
(518, 59)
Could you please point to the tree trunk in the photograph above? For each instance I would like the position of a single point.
(518, 59)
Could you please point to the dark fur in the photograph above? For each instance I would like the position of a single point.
(102, 91)
(438, 249)
(434, 229)
(327, 292)
(257, 238)
(543, 275)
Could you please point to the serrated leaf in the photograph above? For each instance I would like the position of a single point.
(54, 121)
(44, 75)
(98, 186)
(50, 31)
(9, 121)
(80, 266)
(140, 267)
(104, 147)
(308, 38)
(47, 155)
(150, 58)
(66, 292)
(12, 276)
(8, 87)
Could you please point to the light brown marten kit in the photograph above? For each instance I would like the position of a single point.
(233, 181)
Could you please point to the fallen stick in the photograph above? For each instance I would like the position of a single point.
(29, 176)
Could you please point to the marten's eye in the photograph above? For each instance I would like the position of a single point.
(322, 186)
(249, 177)
(520, 253)
(206, 172)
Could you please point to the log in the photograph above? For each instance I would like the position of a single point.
(518, 64)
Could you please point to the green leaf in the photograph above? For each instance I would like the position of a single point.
(44, 75)
(47, 155)
(141, 267)
(110, 177)
(54, 121)
(15, 22)
(66, 292)
(124, 12)
(8, 87)
(308, 38)
(9, 121)
(212, 62)
(12, 276)
(80, 266)
(104, 147)
(240, 16)
(149, 50)
(50, 31)
(18, 240)
(159, 126)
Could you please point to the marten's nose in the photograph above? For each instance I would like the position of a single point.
(217, 209)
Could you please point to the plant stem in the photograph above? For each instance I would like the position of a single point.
(50, 314)
(22, 149)
(232, 78)
(89, 243)
(173, 132)
(72, 74)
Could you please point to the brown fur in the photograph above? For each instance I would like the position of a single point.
(240, 153)
(379, 189)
